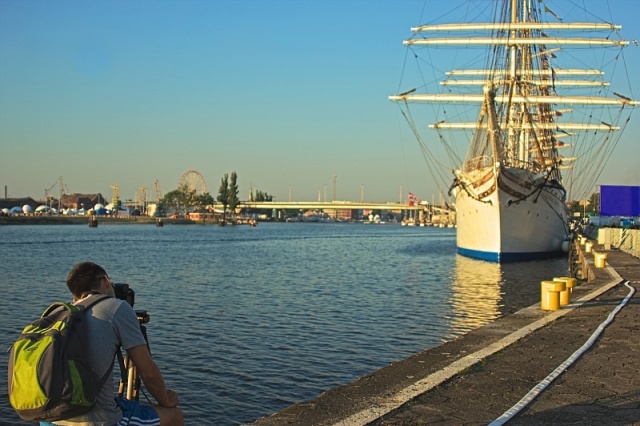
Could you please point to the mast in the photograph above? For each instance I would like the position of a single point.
(520, 35)
(518, 41)
(512, 84)
(504, 98)
(492, 123)
(525, 100)
(500, 26)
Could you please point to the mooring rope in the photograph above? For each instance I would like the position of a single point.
(533, 393)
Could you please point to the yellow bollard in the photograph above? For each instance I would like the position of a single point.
(600, 260)
(550, 292)
(582, 240)
(588, 247)
(565, 295)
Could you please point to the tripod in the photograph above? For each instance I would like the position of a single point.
(129, 386)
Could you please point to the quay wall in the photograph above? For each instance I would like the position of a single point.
(34, 219)
(626, 240)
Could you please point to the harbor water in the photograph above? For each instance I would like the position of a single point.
(246, 321)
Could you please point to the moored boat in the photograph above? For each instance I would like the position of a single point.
(509, 189)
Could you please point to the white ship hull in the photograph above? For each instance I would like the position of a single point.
(534, 111)
(504, 219)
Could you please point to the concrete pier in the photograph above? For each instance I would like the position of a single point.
(477, 378)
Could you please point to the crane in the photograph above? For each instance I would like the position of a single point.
(142, 198)
(158, 191)
(48, 198)
(62, 190)
(115, 197)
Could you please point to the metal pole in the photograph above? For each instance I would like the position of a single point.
(334, 187)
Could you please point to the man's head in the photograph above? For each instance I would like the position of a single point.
(87, 277)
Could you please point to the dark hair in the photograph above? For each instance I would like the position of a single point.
(85, 277)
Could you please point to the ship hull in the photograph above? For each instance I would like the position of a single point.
(506, 216)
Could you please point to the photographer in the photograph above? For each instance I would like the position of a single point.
(113, 324)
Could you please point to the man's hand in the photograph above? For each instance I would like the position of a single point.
(172, 399)
(151, 376)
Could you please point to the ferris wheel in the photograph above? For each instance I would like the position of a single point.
(194, 182)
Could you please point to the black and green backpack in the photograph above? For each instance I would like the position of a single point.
(49, 373)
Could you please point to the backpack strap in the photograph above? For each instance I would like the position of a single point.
(123, 368)
(57, 305)
(89, 303)
(86, 304)
(104, 378)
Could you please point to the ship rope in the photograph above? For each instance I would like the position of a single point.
(593, 156)
(434, 166)
(577, 157)
(465, 187)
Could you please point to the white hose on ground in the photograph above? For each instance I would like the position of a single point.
(533, 393)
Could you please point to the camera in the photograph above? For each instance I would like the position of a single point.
(143, 316)
(124, 292)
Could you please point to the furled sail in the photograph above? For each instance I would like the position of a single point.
(526, 98)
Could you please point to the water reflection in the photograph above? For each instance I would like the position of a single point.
(475, 296)
(484, 291)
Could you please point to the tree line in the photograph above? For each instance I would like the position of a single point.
(586, 207)
(186, 200)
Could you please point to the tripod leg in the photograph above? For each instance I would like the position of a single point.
(130, 388)
(133, 378)
(122, 385)
(131, 383)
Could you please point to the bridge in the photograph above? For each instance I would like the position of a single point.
(332, 205)
(429, 210)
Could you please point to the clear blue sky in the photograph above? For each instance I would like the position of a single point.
(287, 93)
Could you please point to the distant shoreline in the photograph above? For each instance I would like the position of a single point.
(84, 220)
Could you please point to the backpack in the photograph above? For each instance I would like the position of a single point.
(49, 373)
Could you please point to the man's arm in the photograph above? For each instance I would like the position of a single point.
(151, 376)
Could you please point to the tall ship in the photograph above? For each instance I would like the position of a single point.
(528, 97)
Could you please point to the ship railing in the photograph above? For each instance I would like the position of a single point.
(476, 163)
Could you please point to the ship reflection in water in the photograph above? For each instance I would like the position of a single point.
(485, 291)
